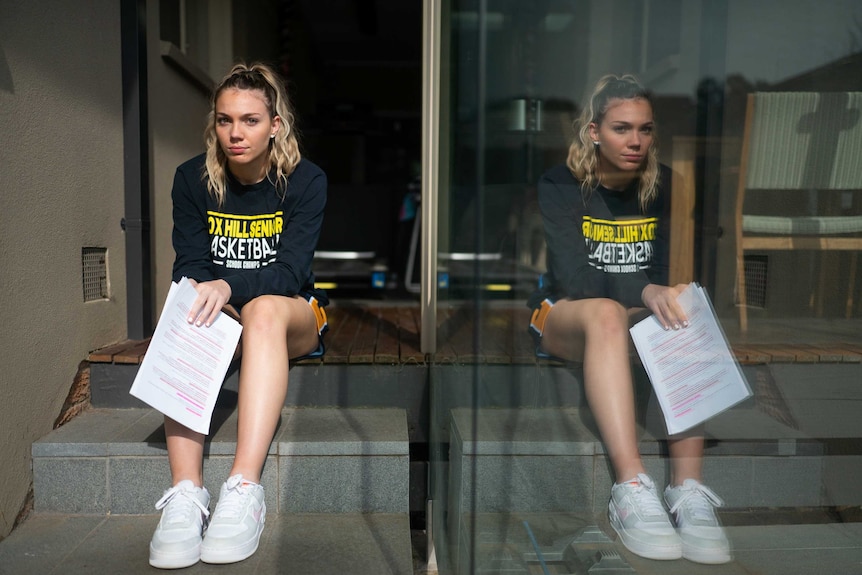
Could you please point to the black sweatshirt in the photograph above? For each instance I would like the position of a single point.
(259, 241)
(604, 246)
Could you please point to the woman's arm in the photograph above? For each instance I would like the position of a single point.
(191, 241)
(629, 288)
(288, 274)
(190, 237)
(563, 212)
(657, 296)
(574, 277)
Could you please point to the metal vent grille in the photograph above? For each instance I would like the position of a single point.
(756, 273)
(94, 271)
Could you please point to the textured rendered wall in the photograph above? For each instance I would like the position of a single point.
(61, 189)
(178, 108)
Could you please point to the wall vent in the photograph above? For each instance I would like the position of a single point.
(94, 271)
(756, 275)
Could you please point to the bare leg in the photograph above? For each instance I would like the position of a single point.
(185, 452)
(274, 328)
(595, 331)
(686, 455)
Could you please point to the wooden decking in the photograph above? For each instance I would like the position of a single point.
(384, 333)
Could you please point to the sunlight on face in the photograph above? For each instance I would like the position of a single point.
(625, 136)
(243, 126)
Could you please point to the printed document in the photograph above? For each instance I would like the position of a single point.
(693, 371)
(185, 365)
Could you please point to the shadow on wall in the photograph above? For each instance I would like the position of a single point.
(5, 74)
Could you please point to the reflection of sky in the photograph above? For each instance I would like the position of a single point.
(773, 40)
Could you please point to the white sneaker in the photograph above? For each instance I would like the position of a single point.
(236, 524)
(177, 540)
(692, 506)
(639, 518)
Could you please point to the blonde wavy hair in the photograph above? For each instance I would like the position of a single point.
(284, 152)
(583, 160)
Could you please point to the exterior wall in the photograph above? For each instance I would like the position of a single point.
(177, 109)
(61, 189)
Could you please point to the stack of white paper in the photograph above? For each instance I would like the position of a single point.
(693, 371)
(185, 365)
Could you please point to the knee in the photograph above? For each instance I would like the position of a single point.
(608, 318)
(263, 315)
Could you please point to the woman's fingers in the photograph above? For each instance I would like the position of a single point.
(678, 312)
(213, 315)
(212, 297)
(663, 303)
(200, 309)
(652, 298)
(670, 310)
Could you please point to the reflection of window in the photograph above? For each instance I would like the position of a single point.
(170, 26)
(201, 31)
(659, 47)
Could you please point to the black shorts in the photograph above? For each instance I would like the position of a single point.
(537, 324)
(322, 326)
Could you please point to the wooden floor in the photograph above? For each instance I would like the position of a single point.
(387, 333)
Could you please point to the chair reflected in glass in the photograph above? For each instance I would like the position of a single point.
(800, 181)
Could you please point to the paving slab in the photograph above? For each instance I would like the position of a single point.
(800, 549)
(502, 540)
(300, 544)
(43, 542)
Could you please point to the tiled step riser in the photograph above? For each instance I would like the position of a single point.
(132, 485)
(581, 484)
(551, 460)
(322, 461)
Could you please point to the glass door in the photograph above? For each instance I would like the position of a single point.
(519, 478)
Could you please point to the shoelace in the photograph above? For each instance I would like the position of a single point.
(232, 503)
(643, 491)
(699, 500)
(177, 503)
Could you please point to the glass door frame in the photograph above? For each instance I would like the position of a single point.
(431, 120)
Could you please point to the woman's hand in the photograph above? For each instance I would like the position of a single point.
(661, 300)
(212, 297)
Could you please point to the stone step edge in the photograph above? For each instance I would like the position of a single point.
(131, 432)
(325, 431)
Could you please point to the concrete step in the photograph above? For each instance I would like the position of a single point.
(296, 543)
(322, 460)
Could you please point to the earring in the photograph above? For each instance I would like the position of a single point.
(596, 143)
(272, 136)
